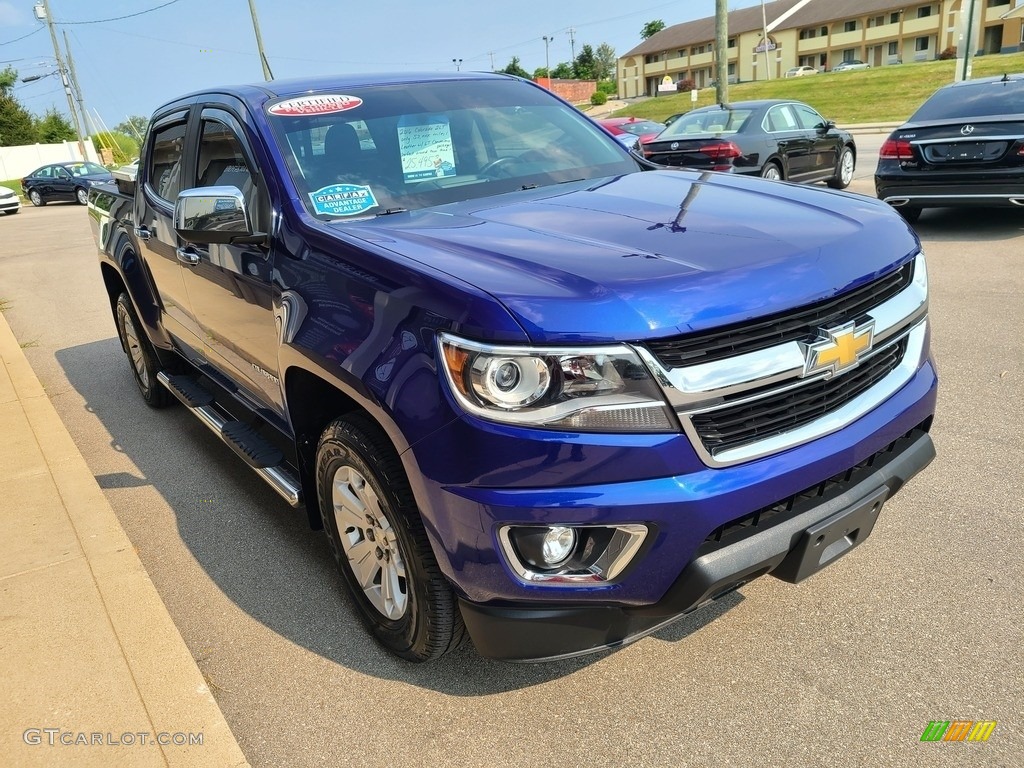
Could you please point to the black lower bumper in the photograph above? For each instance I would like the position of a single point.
(792, 550)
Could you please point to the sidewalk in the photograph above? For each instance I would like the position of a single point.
(94, 670)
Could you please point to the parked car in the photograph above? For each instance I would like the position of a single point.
(963, 147)
(850, 65)
(636, 126)
(9, 201)
(63, 181)
(801, 71)
(775, 139)
(532, 386)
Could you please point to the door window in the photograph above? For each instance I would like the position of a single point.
(782, 119)
(164, 172)
(808, 119)
(221, 160)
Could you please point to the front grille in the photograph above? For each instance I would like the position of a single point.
(799, 325)
(798, 503)
(731, 427)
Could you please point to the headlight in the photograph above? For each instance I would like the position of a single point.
(601, 389)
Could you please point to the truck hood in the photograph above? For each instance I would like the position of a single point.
(651, 254)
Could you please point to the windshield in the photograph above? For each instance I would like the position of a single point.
(85, 169)
(641, 128)
(380, 149)
(712, 121)
(974, 100)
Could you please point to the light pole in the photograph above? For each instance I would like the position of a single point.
(458, 64)
(547, 62)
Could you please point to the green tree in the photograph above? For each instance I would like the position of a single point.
(515, 68)
(604, 62)
(8, 77)
(652, 28)
(583, 66)
(134, 126)
(17, 127)
(562, 71)
(54, 128)
(540, 72)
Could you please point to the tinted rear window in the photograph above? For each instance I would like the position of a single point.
(976, 100)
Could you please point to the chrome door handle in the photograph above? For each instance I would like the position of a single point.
(187, 256)
(143, 233)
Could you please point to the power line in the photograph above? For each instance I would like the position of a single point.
(118, 18)
(37, 29)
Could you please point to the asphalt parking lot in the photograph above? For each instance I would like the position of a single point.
(922, 623)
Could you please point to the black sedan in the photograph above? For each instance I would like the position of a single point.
(63, 181)
(774, 139)
(963, 146)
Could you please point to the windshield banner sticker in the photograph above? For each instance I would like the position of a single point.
(343, 200)
(321, 104)
(425, 142)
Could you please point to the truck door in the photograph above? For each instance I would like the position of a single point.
(230, 287)
(161, 178)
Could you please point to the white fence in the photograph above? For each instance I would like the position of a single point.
(17, 162)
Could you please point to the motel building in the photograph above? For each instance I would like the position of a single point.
(819, 34)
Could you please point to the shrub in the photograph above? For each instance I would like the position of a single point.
(598, 98)
(125, 148)
(949, 53)
(608, 88)
(685, 85)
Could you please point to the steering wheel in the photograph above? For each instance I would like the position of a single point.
(501, 164)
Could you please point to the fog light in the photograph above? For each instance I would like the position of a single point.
(545, 548)
(559, 543)
(571, 555)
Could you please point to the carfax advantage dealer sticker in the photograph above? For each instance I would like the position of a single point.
(320, 104)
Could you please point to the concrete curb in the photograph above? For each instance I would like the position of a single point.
(87, 646)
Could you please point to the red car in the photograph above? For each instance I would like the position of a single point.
(646, 130)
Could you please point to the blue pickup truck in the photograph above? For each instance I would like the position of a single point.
(535, 389)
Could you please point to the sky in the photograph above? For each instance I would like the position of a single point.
(130, 66)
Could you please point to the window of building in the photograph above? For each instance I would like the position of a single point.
(994, 3)
(823, 32)
(921, 43)
(894, 18)
(652, 58)
(876, 21)
(894, 48)
(732, 42)
(849, 54)
(850, 26)
(924, 11)
(681, 54)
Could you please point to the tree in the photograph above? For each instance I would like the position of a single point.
(540, 72)
(562, 71)
(54, 128)
(134, 126)
(652, 28)
(604, 62)
(583, 66)
(515, 68)
(16, 124)
(8, 77)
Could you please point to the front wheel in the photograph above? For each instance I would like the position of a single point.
(35, 198)
(844, 170)
(82, 196)
(380, 545)
(771, 171)
(140, 354)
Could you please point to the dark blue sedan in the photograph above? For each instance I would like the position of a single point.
(63, 181)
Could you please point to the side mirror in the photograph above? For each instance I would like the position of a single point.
(827, 126)
(214, 215)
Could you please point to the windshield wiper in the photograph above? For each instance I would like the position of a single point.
(389, 211)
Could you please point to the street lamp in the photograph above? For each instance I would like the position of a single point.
(458, 64)
(547, 61)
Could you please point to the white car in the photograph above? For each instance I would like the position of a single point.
(801, 71)
(9, 201)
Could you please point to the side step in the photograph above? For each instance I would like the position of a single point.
(263, 457)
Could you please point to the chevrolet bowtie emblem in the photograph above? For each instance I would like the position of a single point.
(839, 348)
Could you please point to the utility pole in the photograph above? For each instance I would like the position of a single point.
(764, 42)
(572, 44)
(722, 51)
(965, 45)
(491, 54)
(547, 60)
(76, 88)
(458, 64)
(61, 70)
(267, 74)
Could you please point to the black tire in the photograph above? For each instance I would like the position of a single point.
(82, 196)
(772, 170)
(374, 515)
(911, 215)
(844, 169)
(35, 198)
(141, 356)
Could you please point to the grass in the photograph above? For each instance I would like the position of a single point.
(14, 184)
(881, 94)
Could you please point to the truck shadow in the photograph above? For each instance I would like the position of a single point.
(258, 551)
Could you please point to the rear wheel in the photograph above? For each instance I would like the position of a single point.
(771, 171)
(140, 354)
(35, 198)
(82, 196)
(380, 545)
(844, 170)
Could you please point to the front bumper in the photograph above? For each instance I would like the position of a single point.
(836, 510)
(10, 204)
